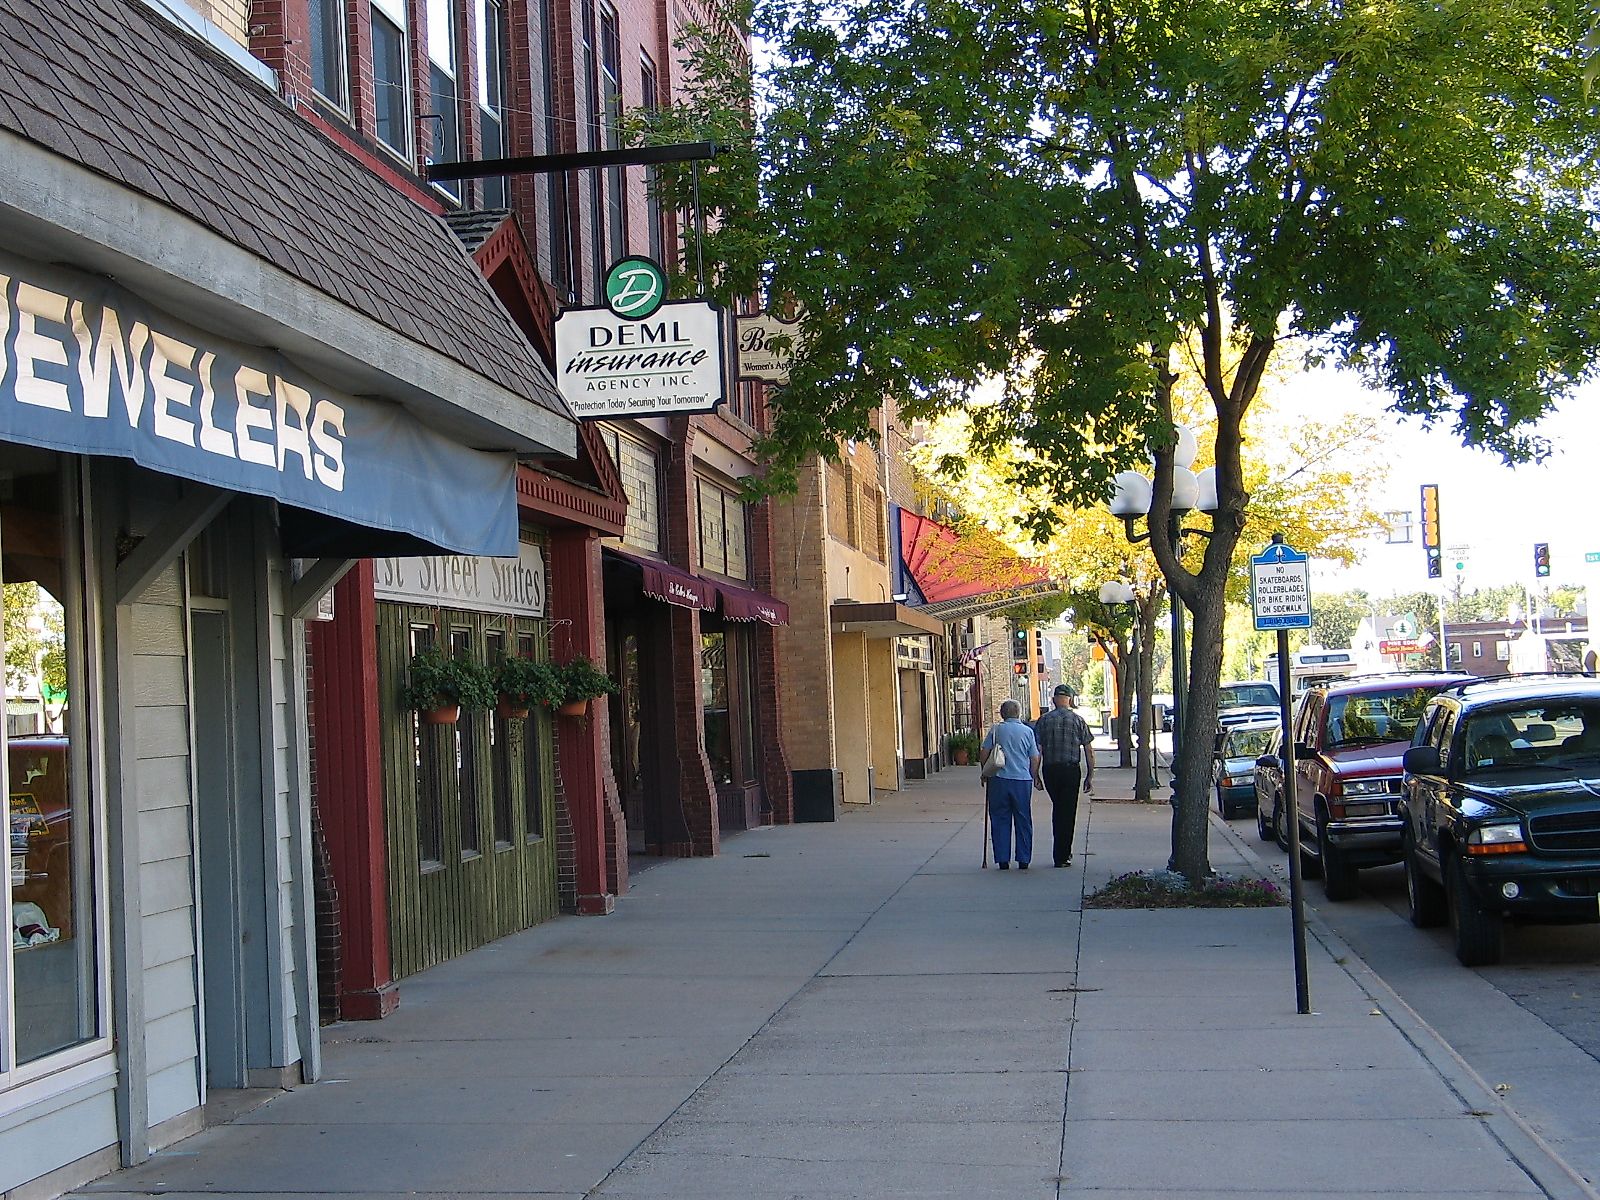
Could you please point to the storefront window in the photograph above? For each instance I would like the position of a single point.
(714, 705)
(499, 754)
(532, 763)
(425, 741)
(50, 1002)
(464, 739)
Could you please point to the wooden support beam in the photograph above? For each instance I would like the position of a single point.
(170, 538)
(316, 580)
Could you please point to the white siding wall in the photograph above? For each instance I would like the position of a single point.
(166, 850)
(286, 746)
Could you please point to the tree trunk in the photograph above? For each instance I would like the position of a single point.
(1144, 678)
(1124, 674)
(1191, 850)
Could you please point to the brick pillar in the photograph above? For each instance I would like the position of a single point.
(350, 791)
(697, 795)
(775, 781)
(583, 744)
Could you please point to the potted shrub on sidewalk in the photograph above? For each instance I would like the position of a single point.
(581, 682)
(964, 746)
(439, 686)
(522, 683)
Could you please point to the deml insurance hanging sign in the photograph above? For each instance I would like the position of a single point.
(89, 368)
(639, 355)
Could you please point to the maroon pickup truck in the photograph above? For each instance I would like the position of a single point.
(1349, 737)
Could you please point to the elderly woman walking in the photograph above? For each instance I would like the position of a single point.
(1011, 787)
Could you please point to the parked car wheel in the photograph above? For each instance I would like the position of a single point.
(1280, 825)
(1267, 822)
(1478, 934)
(1425, 899)
(1222, 805)
(1338, 876)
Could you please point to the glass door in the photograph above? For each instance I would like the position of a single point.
(50, 982)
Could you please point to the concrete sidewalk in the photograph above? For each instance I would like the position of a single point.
(856, 1010)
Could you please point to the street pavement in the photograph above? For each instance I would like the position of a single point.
(858, 1010)
(1529, 1025)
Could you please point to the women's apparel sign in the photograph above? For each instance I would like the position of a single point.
(639, 355)
(89, 368)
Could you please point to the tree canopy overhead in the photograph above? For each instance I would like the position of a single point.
(1064, 196)
(1051, 193)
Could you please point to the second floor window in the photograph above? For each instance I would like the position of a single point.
(489, 26)
(390, 86)
(650, 91)
(328, 75)
(444, 107)
(611, 117)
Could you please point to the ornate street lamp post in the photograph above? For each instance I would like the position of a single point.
(1190, 491)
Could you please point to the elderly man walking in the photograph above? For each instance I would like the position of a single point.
(1067, 747)
(1011, 788)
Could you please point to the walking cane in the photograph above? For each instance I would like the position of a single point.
(983, 794)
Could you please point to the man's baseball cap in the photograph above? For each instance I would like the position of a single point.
(1063, 690)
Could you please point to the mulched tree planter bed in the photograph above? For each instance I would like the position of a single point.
(1168, 889)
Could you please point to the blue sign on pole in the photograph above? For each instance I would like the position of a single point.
(1280, 588)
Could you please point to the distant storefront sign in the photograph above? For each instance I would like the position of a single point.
(496, 585)
(1399, 647)
(637, 356)
(89, 368)
(766, 346)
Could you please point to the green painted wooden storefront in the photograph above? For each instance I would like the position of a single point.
(469, 807)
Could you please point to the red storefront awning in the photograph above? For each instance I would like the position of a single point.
(947, 566)
(669, 584)
(746, 604)
(961, 578)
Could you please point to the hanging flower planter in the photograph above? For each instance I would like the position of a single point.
(443, 714)
(523, 683)
(439, 687)
(581, 681)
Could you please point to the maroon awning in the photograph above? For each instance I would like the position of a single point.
(671, 585)
(746, 604)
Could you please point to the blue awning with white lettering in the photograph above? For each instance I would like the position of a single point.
(90, 368)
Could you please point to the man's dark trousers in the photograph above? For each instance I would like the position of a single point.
(1062, 780)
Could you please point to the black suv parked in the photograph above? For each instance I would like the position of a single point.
(1501, 804)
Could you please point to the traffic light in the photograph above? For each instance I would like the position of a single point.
(1019, 668)
(1430, 530)
(1019, 644)
(1541, 559)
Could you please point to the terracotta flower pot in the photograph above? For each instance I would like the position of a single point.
(444, 714)
(574, 708)
(510, 709)
(960, 756)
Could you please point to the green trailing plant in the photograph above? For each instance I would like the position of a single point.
(582, 680)
(437, 680)
(526, 682)
(964, 742)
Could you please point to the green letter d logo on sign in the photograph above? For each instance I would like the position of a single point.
(635, 288)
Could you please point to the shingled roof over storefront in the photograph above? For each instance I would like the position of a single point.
(107, 84)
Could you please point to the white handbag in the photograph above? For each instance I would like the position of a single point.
(996, 763)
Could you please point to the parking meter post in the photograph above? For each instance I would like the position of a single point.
(1297, 909)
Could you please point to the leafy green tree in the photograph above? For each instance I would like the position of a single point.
(1336, 615)
(1062, 198)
